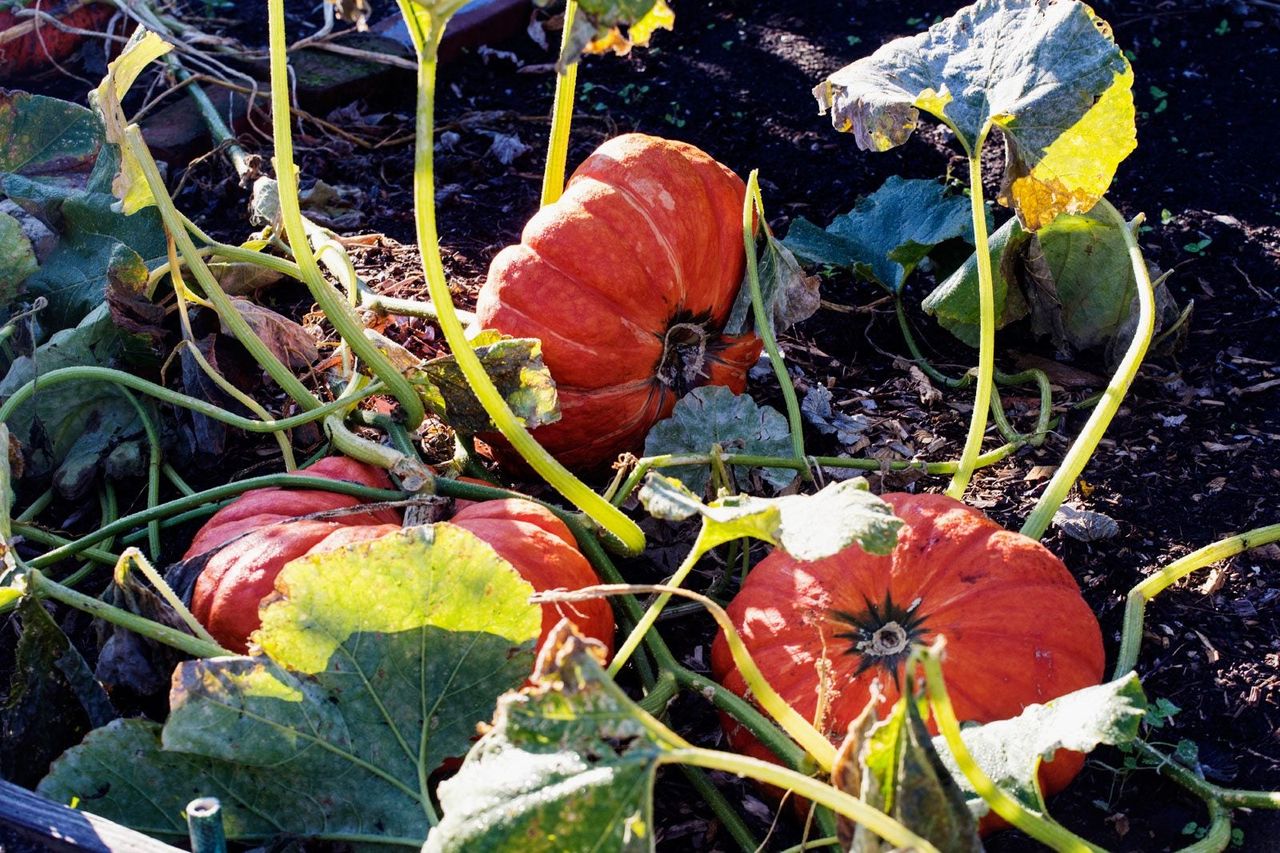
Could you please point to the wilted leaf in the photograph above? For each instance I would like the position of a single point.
(808, 527)
(128, 185)
(954, 302)
(378, 661)
(789, 295)
(70, 429)
(1010, 751)
(1085, 525)
(17, 259)
(711, 415)
(906, 778)
(51, 701)
(287, 340)
(1047, 74)
(887, 233)
(129, 661)
(516, 368)
(597, 27)
(568, 764)
(131, 309)
(817, 410)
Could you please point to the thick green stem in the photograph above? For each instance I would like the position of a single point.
(1078, 456)
(226, 309)
(813, 789)
(332, 303)
(654, 610)
(1136, 604)
(753, 207)
(40, 536)
(1040, 828)
(90, 373)
(626, 531)
(1230, 797)
(561, 117)
(153, 469)
(41, 586)
(986, 329)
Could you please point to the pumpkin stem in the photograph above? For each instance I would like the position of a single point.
(684, 353)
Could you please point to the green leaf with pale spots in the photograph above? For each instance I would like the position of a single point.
(46, 140)
(887, 233)
(17, 259)
(376, 663)
(1047, 74)
(808, 527)
(568, 764)
(1010, 751)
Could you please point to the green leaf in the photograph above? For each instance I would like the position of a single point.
(17, 259)
(514, 364)
(52, 698)
(788, 295)
(597, 27)
(47, 141)
(808, 527)
(887, 233)
(711, 415)
(1010, 751)
(568, 764)
(954, 302)
(906, 776)
(69, 430)
(1047, 74)
(426, 19)
(144, 47)
(377, 661)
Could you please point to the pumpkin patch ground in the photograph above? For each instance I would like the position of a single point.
(879, 321)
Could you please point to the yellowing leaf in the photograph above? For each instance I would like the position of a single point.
(129, 186)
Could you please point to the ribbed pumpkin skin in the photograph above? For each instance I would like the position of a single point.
(253, 545)
(1018, 631)
(647, 235)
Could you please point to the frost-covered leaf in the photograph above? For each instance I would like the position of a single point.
(816, 409)
(808, 527)
(1010, 751)
(70, 430)
(712, 414)
(378, 661)
(568, 764)
(788, 294)
(17, 259)
(514, 364)
(143, 48)
(954, 302)
(887, 233)
(1085, 525)
(1047, 74)
(597, 27)
(904, 777)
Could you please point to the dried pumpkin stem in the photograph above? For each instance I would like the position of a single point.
(1040, 828)
(621, 528)
(335, 307)
(1078, 456)
(753, 207)
(561, 116)
(986, 328)
(1135, 607)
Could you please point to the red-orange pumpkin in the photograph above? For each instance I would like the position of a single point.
(29, 45)
(627, 280)
(254, 537)
(1018, 631)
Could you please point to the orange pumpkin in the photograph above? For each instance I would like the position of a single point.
(627, 280)
(1018, 631)
(31, 45)
(252, 538)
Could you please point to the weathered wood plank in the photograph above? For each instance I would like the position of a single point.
(31, 824)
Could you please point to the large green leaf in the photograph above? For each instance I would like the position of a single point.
(1010, 751)
(377, 662)
(567, 765)
(809, 527)
(954, 302)
(46, 140)
(17, 259)
(711, 415)
(887, 233)
(1047, 74)
(71, 429)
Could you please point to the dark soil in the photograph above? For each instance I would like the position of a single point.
(1191, 456)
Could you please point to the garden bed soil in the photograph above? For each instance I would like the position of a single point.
(1190, 458)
